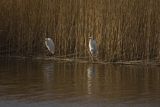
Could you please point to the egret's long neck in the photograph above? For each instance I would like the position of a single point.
(90, 43)
(90, 39)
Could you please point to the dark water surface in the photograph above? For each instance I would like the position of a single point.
(37, 83)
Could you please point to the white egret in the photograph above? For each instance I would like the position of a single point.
(50, 45)
(92, 46)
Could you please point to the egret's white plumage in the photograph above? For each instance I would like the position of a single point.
(92, 46)
(50, 45)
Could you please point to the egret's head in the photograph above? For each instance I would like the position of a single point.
(90, 37)
(47, 39)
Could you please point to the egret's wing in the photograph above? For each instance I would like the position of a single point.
(94, 45)
(50, 45)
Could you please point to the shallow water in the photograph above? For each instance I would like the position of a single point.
(41, 83)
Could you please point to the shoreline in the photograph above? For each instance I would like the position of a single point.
(155, 62)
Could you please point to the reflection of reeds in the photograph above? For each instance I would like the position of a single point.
(124, 29)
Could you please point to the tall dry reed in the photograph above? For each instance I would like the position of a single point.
(124, 29)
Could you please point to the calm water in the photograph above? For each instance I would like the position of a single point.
(37, 83)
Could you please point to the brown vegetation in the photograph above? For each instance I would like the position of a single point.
(124, 29)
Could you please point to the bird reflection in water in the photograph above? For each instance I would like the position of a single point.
(91, 73)
(48, 71)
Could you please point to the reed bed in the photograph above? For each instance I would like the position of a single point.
(124, 29)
